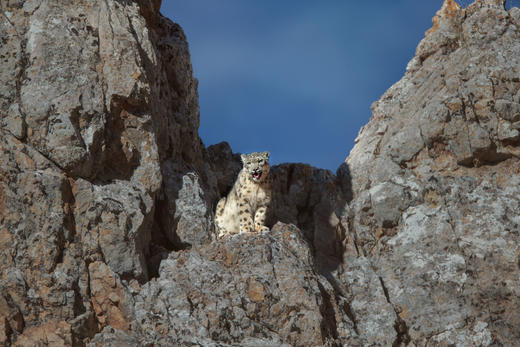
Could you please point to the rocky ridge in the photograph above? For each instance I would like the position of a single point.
(107, 196)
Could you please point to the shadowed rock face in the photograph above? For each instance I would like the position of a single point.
(107, 196)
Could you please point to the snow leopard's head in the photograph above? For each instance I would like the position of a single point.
(256, 165)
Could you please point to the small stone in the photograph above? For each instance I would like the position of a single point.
(256, 291)
(15, 122)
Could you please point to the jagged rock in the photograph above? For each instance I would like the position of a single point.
(111, 337)
(225, 166)
(51, 333)
(114, 230)
(187, 214)
(41, 270)
(95, 100)
(439, 159)
(312, 199)
(108, 297)
(369, 309)
(248, 290)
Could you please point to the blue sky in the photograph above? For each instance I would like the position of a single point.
(296, 77)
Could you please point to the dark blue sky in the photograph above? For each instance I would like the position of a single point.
(296, 77)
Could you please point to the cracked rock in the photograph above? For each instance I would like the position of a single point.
(448, 257)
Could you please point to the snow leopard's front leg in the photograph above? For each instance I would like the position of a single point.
(221, 231)
(260, 217)
(245, 217)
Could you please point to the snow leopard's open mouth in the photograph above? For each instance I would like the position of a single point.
(257, 175)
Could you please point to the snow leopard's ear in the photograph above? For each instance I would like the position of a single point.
(266, 155)
(244, 158)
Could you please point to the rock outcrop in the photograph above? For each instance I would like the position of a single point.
(100, 158)
(107, 196)
(435, 182)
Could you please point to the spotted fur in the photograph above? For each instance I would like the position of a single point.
(245, 208)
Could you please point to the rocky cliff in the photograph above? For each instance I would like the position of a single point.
(107, 196)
